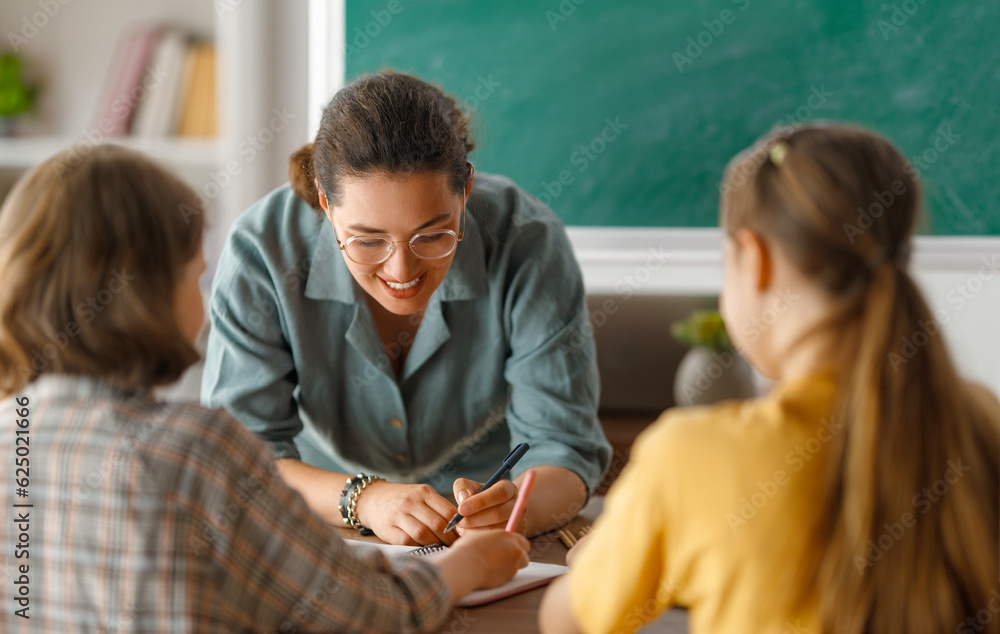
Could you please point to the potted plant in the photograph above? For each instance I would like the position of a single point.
(16, 97)
(711, 370)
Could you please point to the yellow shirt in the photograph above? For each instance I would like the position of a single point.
(711, 513)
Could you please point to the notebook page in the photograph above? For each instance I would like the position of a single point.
(531, 576)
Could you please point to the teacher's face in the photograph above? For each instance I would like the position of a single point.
(397, 206)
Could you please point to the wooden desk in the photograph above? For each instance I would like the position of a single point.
(519, 614)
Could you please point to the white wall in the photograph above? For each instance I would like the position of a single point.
(970, 299)
(959, 277)
(263, 60)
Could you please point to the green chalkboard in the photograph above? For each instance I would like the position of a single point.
(625, 113)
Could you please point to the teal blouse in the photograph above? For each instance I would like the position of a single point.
(504, 354)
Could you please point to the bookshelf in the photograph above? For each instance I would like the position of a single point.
(21, 153)
(70, 48)
(261, 68)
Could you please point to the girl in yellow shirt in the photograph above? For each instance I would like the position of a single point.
(861, 495)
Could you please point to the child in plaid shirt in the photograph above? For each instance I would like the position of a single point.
(147, 516)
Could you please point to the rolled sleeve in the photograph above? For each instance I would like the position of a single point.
(552, 367)
(249, 367)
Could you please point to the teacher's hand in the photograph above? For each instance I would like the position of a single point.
(408, 514)
(486, 509)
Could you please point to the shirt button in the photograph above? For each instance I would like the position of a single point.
(401, 456)
(398, 424)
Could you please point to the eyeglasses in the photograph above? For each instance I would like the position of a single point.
(370, 250)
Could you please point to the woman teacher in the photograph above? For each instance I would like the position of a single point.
(393, 324)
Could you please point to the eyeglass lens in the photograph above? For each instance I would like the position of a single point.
(376, 249)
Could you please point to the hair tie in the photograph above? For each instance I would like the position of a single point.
(778, 152)
(898, 259)
(876, 262)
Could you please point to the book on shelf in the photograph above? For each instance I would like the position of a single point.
(155, 114)
(160, 83)
(123, 86)
(196, 117)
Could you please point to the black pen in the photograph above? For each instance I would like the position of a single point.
(508, 462)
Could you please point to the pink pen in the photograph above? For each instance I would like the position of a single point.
(522, 500)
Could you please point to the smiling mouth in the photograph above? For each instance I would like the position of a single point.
(402, 287)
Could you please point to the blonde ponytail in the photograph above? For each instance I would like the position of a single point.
(908, 544)
(906, 537)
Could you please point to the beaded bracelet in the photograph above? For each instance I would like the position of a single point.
(348, 506)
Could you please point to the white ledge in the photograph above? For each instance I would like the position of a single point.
(669, 261)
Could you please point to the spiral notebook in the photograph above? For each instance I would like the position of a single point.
(534, 575)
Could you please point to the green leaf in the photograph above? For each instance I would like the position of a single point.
(703, 328)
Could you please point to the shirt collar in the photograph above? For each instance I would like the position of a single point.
(330, 279)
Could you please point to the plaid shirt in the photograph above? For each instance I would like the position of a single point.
(161, 517)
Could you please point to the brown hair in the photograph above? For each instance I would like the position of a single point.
(388, 122)
(94, 246)
(841, 202)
